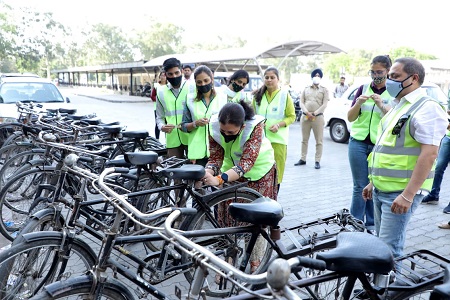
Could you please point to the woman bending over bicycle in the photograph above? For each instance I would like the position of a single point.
(239, 151)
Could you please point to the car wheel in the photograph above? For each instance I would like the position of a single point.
(339, 132)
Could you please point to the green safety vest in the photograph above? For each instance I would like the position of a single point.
(392, 161)
(238, 96)
(274, 113)
(198, 145)
(370, 116)
(173, 112)
(233, 150)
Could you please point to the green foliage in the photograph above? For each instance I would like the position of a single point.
(158, 40)
(32, 41)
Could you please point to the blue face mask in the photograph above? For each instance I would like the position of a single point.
(395, 87)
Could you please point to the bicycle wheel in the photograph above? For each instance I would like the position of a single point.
(6, 152)
(16, 198)
(149, 203)
(80, 288)
(7, 129)
(14, 163)
(216, 286)
(29, 265)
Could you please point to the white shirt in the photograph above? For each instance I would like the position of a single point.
(428, 124)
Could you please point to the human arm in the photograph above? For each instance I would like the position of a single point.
(160, 118)
(303, 104)
(425, 161)
(325, 99)
(355, 109)
(187, 122)
(249, 155)
(153, 94)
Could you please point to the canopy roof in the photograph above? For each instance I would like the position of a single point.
(247, 54)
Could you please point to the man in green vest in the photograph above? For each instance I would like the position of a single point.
(401, 166)
(170, 101)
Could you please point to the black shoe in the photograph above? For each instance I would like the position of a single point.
(300, 163)
(317, 165)
(428, 199)
(447, 209)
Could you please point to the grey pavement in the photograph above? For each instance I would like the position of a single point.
(307, 193)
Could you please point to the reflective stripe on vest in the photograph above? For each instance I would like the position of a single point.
(274, 112)
(370, 116)
(173, 112)
(233, 150)
(198, 144)
(394, 157)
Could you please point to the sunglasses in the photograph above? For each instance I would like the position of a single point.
(399, 125)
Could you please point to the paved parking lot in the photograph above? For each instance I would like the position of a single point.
(307, 193)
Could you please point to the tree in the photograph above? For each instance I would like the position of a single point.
(107, 44)
(160, 39)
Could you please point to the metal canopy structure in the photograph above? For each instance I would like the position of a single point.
(247, 58)
(249, 55)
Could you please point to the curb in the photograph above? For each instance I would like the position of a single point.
(114, 100)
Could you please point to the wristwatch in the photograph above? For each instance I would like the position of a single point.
(224, 177)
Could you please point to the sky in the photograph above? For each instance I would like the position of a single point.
(346, 24)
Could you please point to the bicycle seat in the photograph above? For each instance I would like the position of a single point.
(262, 211)
(141, 158)
(135, 134)
(69, 111)
(191, 172)
(118, 161)
(93, 121)
(76, 117)
(358, 252)
(112, 129)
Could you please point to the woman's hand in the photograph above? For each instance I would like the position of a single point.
(202, 122)
(210, 180)
(361, 99)
(168, 128)
(274, 128)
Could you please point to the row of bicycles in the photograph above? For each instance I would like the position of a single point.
(94, 211)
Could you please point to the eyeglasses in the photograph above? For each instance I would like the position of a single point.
(399, 125)
(377, 72)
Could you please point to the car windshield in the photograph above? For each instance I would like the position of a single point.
(436, 93)
(42, 92)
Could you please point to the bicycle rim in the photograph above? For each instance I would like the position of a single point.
(229, 248)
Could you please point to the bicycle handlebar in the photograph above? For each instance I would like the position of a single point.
(50, 140)
(231, 270)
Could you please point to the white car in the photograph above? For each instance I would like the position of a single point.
(28, 89)
(337, 108)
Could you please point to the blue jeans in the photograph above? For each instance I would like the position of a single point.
(357, 156)
(442, 162)
(390, 227)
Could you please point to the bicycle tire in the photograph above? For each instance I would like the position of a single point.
(16, 197)
(14, 163)
(7, 129)
(6, 152)
(81, 287)
(29, 265)
(217, 287)
(15, 137)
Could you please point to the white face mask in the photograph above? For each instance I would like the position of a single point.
(316, 80)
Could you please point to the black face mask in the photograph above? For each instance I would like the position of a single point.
(204, 88)
(175, 81)
(230, 138)
(236, 87)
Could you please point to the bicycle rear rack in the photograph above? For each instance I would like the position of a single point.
(418, 268)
